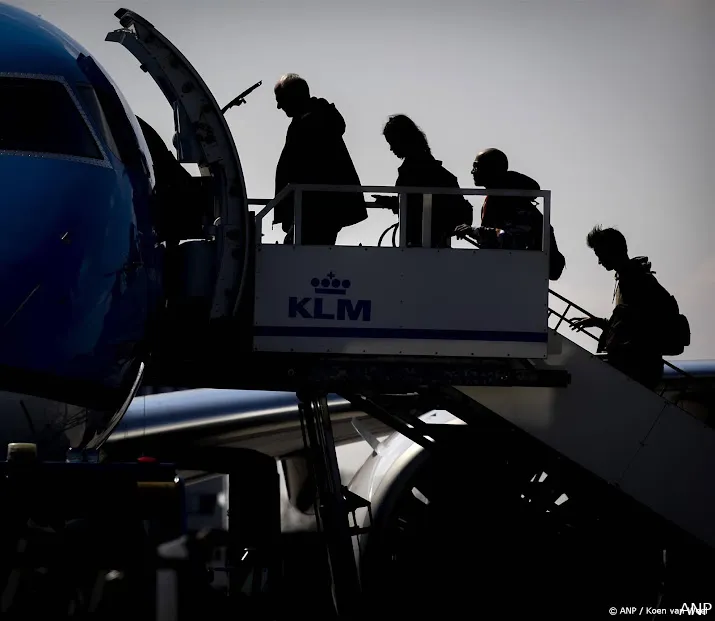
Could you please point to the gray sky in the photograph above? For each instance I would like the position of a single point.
(608, 104)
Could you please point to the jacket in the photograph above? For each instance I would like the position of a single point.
(315, 153)
(448, 211)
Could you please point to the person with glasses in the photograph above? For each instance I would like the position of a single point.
(509, 222)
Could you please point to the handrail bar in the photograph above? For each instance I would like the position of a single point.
(574, 305)
(265, 201)
(407, 189)
(389, 189)
(402, 192)
(675, 368)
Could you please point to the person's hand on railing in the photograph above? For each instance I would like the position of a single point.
(464, 230)
(387, 202)
(588, 322)
(485, 237)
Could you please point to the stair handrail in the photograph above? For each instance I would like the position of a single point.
(562, 317)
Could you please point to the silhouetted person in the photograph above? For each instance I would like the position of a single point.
(315, 153)
(511, 222)
(419, 168)
(630, 336)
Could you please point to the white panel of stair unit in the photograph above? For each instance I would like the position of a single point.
(410, 301)
(598, 421)
(673, 472)
(617, 429)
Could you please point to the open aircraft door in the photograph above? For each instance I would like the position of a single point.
(213, 269)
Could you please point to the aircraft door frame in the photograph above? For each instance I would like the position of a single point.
(205, 131)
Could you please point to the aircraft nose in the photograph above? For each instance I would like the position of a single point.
(36, 250)
(56, 236)
(71, 315)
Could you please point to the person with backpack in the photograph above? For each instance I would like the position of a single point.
(509, 222)
(646, 322)
(420, 169)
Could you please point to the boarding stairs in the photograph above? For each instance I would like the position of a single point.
(603, 464)
(395, 331)
(628, 436)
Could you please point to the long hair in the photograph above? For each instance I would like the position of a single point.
(406, 131)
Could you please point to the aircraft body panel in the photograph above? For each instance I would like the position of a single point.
(165, 411)
(699, 368)
(28, 42)
(173, 424)
(81, 262)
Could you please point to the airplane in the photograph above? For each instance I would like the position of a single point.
(103, 279)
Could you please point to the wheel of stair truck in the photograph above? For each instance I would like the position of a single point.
(500, 528)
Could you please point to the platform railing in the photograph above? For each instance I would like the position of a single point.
(562, 317)
(297, 191)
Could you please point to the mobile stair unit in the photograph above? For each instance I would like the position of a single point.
(401, 331)
(472, 326)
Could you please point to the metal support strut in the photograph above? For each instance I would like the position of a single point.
(332, 510)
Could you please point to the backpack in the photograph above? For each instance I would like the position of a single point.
(675, 334)
(460, 210)
(557, 261)
(460, 207)
(672, 327)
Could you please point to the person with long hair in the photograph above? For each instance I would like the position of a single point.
(419, 168)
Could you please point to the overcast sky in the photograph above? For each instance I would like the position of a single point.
(607, 103)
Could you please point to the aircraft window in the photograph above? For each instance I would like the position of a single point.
(128, 137)
(40, 116)
(113, 111)
(92, 105)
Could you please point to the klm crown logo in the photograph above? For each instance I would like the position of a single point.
(329, 307)
(330, 285)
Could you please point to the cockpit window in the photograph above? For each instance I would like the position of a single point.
(40, 116)
(91, 104)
